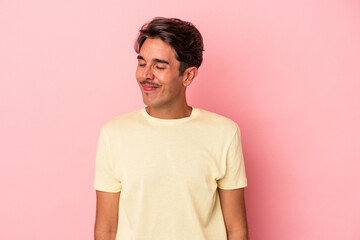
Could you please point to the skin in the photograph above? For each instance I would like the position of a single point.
(158, 66)
(107, 208)
(168, 101)
(233, 208)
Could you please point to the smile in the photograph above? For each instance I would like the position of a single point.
(149, 88)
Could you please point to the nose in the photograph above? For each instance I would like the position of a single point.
(148, 72)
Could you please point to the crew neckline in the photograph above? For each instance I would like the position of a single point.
(152, 119)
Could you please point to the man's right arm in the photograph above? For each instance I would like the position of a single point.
(107, 209)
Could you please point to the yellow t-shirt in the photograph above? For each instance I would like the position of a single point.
(168, 171)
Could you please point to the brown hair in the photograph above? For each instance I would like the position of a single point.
(183, 36)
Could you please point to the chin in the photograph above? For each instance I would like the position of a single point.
(148, 103)
(151, 104)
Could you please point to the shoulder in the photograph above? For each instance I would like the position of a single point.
(122, 121)
(216, 120)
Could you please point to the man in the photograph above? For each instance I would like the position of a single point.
(169, 171)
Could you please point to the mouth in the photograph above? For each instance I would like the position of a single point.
(149, 88)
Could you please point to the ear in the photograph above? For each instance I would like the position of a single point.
(189, 75)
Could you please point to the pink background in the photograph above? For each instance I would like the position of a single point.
(288, 72)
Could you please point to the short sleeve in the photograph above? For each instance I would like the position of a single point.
(235, 176)
(105, 179)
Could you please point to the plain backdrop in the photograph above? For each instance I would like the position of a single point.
(288, 72)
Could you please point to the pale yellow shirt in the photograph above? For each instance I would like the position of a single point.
(168, 172)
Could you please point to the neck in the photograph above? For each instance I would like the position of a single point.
(170, 113)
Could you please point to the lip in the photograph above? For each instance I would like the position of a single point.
(149, 88)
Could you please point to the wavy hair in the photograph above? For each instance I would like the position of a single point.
(183, 36)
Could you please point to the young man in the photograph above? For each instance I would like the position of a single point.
(169, 171)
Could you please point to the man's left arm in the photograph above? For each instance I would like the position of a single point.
(233, 208)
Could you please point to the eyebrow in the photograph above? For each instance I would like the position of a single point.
(155, 59)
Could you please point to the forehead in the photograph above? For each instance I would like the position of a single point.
(154, 48)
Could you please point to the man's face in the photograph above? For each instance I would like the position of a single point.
(157, 74)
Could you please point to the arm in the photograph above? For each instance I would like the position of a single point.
(233, 208)
(107, 207)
